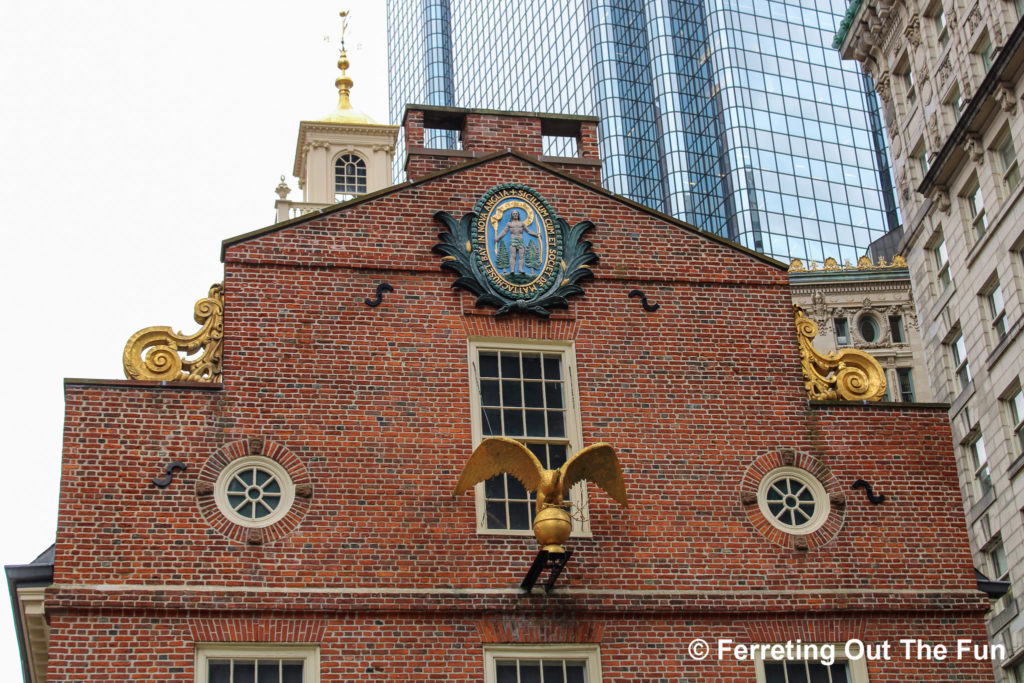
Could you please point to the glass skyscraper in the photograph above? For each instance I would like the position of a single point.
(734, 115)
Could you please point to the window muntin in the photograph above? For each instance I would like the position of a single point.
(842, 326)
(896, 330)
(262, 663)
(254, 491)
(997, 311)
(526, 392)
(961, 369)
(811, 671)
(793, 500)
(941, 258)
(1008, 157)
(1000, 571)
(905, 377)
(976, 209)
(941, 28)
(1015, 404)
(568, 663)
(349, 177)
(909, 87)
(979, 461)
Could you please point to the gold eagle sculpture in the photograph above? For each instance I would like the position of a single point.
(497, 455)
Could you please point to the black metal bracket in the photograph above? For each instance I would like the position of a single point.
(381, 288)
(650, 308)
(164, 481)
(876, 499)
(555, 562)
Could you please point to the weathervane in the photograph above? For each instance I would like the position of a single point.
(551, 524)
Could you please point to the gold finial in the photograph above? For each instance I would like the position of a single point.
(345, 112)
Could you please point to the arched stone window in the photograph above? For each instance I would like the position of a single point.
(349, 177)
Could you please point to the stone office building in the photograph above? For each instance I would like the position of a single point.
(949, 75)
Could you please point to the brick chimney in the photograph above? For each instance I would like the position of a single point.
(478, 132)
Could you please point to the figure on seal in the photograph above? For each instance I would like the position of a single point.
(516, 227)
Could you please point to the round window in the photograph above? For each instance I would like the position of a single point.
(254, 491)
(792, 500)
(868, 328)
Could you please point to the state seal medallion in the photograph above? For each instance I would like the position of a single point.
(515, 253)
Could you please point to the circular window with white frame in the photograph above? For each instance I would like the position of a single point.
(254, 491)
(793, 500)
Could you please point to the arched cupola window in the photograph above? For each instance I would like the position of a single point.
(349, 177)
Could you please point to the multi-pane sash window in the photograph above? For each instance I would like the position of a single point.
(526, 394)
(254, 671)
(842, 326)
(1000, 572)
(906, 380)
(979, 460)
(1016, 405)
(806, 672)
(349, 177)
(955, 103)
(1008, 157)
(941, 29)
(976, 208)
(909, 87)
(540, 671)
(941, 257)
(985, 54)
(960, 367)
(555, 663)
(997, 309)
(896, 331)
(262, 663)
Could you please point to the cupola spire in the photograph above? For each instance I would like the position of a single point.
(345, 113)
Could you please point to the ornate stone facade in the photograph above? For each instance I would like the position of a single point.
(964, 244)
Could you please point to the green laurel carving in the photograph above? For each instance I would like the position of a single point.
(576, 255)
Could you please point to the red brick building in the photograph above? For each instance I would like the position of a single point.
(313, 532)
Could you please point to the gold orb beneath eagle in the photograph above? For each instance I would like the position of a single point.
(551, 525)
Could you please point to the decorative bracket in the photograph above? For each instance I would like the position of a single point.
(650, 308)
(165, 480)
(850, 375)
(381, 288)
(874, 498)
(167, 352)
(554, 562)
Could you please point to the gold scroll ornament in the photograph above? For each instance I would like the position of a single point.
(849, 375)
(167, 352)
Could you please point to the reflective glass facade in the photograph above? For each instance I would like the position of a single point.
(733, 115)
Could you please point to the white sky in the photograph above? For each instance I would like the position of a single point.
(135, 137)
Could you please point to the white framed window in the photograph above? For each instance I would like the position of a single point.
(839, 670)
(257, 663)
(909, 86)
(349, 177)
(920, 157)
(793, 500)
(1007, 154)
(975, 202)
(542, 664)
(941, 259)
(999, 571)
(254, 491)
(961, 369)
(985, 51)
(1015, 406)
(996, 311)
(954, 103)
(979, 463)
(905, 377)
(526, 391)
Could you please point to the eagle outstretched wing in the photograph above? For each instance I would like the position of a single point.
(599, 464)
(499, 454)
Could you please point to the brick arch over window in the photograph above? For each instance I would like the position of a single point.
(349, 175)
(785, 457)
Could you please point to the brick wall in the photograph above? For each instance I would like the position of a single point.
(385, 569)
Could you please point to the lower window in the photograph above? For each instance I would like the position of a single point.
(542, 664)
(270, 663)
(813, 671)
